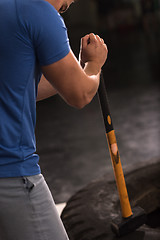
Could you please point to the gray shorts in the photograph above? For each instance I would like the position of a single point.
(27, 210)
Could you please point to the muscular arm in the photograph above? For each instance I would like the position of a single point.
(78, 86)
(71, 82)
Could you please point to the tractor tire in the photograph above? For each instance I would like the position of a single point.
(88, 214)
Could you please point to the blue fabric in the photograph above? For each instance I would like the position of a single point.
(32, 34)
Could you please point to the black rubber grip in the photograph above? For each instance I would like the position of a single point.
(103, 99)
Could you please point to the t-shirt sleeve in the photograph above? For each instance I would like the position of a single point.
(48, 33)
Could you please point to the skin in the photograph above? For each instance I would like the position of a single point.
(83, 76)
(61, 5)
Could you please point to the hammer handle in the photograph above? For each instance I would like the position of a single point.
(114, 153)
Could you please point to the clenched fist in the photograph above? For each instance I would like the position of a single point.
(94, 50)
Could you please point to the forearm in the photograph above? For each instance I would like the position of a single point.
(45, 89)
(93, 72)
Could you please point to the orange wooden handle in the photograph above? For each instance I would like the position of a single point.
(119, 176)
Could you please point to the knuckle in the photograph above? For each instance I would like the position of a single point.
(92, 35)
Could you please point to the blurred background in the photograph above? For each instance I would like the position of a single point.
(71, 143)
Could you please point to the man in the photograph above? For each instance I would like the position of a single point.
(33, 41)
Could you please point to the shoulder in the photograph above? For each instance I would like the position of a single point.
(38, 11)
(41, 5)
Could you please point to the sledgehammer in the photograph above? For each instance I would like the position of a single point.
(131, 219)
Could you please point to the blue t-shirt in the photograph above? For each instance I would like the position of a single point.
(32, 34)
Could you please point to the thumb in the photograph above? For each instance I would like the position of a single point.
(84, 41)
(92, 38)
